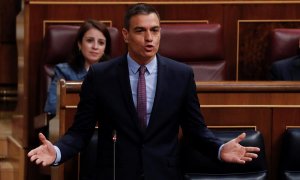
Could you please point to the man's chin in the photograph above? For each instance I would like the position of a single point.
(149, 57)
(150, 54)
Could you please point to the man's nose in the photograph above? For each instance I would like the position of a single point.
(148, 36)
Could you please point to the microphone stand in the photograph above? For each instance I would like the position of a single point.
(114, 138)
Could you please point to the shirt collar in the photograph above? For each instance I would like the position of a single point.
(134, 66)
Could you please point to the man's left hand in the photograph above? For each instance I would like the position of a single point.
(233, 152)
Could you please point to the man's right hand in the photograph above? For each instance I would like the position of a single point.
(45, 154)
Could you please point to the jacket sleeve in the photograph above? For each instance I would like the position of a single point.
(194, 127)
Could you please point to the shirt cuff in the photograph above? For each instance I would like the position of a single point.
(58, 156)
(219, 153)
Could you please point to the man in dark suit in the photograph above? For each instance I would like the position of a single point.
(146, 126)
(286, 69)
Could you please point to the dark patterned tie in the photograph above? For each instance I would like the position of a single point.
(142, 98)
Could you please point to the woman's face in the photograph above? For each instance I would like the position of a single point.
(92, 45)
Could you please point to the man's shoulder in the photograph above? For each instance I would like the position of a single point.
(172, 62)
(64, 68)
(287, 61)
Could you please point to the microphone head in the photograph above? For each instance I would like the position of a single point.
(114, 135)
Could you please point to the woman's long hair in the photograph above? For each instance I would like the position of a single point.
(76, 61)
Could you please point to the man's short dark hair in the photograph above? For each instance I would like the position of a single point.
(140, 8)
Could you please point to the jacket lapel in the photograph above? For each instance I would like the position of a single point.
(160, 92)
(127, 94)
(123, 77)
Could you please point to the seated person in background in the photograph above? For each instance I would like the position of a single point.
(286, 70)
(92, 45)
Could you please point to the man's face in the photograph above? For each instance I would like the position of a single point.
(143, 37)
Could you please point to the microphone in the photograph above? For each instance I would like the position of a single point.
(114, 135)
(114, 139)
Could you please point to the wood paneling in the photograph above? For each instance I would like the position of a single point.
(270, 106)
(8, 63)
(3, 147)
(259, 117)
(8, 54)
(16, 156)
(282, 118)
(254, 35)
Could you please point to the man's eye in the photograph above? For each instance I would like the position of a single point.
(155, 30)
(138, 30)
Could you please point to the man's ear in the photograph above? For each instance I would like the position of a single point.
(125, 35)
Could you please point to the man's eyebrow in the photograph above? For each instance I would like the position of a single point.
(141, 27)
(155, 27)
(138, 27)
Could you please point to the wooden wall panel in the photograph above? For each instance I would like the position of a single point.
(269, 106)
(8, 63)
(8, 56)
(254, 36)
(282, 119)
(260, 118)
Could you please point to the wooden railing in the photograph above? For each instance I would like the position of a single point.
(269, 106)
(68, 98)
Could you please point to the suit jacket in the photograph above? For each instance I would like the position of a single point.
(106, 98)
(61, 71)
(286, 70)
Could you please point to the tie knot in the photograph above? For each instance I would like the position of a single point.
(142, 69)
